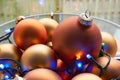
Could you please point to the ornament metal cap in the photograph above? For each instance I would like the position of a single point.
(19, 18)
(85, 19)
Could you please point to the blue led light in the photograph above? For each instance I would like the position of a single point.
(79, 64)
(6, 77)
(7, 30)
(2, 66)
(53, 65)
(6, 65)
(88, 56)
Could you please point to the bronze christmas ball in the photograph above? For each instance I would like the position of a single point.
(50, 25)
(112, 71)
(42, 74)
(110, 44)
(10, 51)
(86, 76)
(29, 32)
(75, 37)
(38, 56)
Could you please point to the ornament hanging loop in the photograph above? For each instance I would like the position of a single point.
(87, 13)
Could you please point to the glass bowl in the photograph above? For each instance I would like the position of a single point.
(103, 25)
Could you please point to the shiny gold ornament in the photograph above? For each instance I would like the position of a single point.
(10, 51)
(29, 32)
(42, 74)
(86, 76)
(110, 43)
(50, 25)
(38, 56)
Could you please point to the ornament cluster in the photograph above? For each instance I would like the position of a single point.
(74, 49)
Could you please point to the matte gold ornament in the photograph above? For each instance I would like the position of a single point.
(110, 44)
(10, 51)
(29, 32)
(86, 76)
(50, 25)
(39, 56)
(42, 74)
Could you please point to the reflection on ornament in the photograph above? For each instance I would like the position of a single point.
(38, 56)
(29, 32)
(86, 76)
(10, 51)
(50, 26)
(42, 74)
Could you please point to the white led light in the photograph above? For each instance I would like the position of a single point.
(79, 65)
(6, 76)
(88, 56)
(1, 66)
(7, 30)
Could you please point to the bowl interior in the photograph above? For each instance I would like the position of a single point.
(103, 25)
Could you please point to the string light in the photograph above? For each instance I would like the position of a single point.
(103, 43)
(7, 30)
(7, 35)
(6, 65)
(104, 46)
(97, 64)
(1, 66)
(6, 77)
(79, 64)
(88, 56)
(79, 67)
(78, 55)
